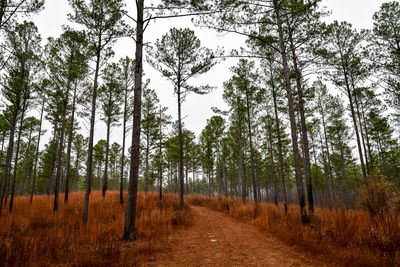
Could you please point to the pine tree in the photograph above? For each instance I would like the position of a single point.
(103, 22)
(110, 96)
(179, 56)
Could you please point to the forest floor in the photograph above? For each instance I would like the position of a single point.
(216, 239)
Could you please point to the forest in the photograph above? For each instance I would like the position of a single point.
(306, 146)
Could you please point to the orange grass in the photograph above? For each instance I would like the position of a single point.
(33, 235)
(344, 237)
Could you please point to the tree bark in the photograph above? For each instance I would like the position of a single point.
(241, 177)
(7, 167)
(299, 178)
(353, 115)
(278, 134)
(17, 155)
(253, 175)
(121, 178)
(22, 189)
(89, 169)
(61, 149)
(105, 180)
(329, 183)
(181, 182)
(71, 133)
(344, 172)
(160, 173)
(129, 229)
(37, 151)
(361, 132)
(146, 172)
(271, 152)
(304, 133)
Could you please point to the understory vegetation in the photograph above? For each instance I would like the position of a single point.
(369, 236)
(35, 236)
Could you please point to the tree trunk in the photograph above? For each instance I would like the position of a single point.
(240, 160)
(61, 149)
(89, 162)
(353, 115)
(344, 172)
(362, 132)
(253, 175)
(76, 170)
(181, 182)
(105, 180)
(129, 229)
(160, 160)
(371, 159)
(271, 152)
(22, 189)
(17, 155)
(146, 172)
(37, 151)
(121, 177)
(304, 134)
(71, 133)
(278, 134)
(7, 167)
(329, 183)
(299, 178)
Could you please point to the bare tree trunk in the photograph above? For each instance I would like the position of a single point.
(89, 162)
(299, 178)
(253, 175)
(353, 115)
(61, 149)
(181, 182)
(53, 161)
(121, 178)
(344, 171)
(146, 172)
(278, 134)
(7, 169)
(304, 134)
(76, 170)
(129, 229)
(37, 151)
(271, 152)
(329, 183)
(160, 171)
(22, 189)
(16, 156)
(361, 132)
(105, 180)
(71, 133)
(240, 161)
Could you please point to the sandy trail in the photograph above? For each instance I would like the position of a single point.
(216, 239)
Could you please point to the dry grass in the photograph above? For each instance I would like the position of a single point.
(35, 236)
(344, 237)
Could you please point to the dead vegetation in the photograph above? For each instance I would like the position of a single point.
(35, 236)
(366, 237)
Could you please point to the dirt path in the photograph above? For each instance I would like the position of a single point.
(216, 239)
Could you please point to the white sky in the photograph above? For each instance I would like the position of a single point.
(196, 109)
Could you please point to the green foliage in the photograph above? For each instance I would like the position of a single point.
(178, 56)
(110, 94)
(387, 42)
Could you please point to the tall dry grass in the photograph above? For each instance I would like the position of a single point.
(365, 237)
(35, 236)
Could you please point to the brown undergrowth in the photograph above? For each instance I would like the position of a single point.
(33, 235)
(342, 237)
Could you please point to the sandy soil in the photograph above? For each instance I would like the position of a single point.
(216, 239)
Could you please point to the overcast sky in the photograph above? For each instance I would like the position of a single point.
(196, 109)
